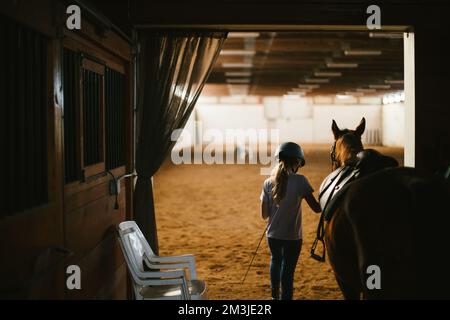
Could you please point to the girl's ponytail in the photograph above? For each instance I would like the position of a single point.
(280, 183)
(280, 177)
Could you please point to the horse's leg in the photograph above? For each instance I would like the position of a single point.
(342, 254)
(348, 292)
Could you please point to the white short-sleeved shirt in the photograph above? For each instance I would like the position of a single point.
(285, 220)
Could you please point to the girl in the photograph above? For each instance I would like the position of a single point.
(281, 199)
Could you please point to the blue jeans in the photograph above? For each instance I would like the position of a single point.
(285, 254)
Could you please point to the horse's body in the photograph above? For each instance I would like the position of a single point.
(397, 219)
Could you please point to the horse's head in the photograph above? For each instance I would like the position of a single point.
(347, 144)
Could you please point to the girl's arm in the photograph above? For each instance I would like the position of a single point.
(312, 202)
(265, 211)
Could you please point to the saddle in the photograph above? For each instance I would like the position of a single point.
(335, 186)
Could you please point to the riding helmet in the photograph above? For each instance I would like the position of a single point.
(291, 150)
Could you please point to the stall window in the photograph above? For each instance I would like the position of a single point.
(23, 117)
(115, 119)
(71, 75)
(94, 117)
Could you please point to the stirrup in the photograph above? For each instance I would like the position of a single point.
(320, 258)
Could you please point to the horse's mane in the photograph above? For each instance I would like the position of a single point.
(347, 147)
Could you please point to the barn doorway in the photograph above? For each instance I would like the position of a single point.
(295, 81)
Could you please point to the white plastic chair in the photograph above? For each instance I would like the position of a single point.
(164, 284)
(155, 262)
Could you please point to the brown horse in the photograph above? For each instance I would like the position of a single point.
(396, 219)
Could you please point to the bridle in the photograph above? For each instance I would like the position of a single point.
(334, 160)
(321, 227)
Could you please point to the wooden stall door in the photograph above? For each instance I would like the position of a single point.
(31, 220)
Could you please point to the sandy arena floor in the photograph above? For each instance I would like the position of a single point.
(213, 212)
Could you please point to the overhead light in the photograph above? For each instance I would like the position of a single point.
(293, 95)
(297, 93)
(244, 80)
(238, 74)
(243, 35)
(237, 52)
(239, 86)
(366, 90)
(354, 94)
(299, 90)
(308, 86)
(380, 86)
(352, 53)
(327, 74)
(308, 80)
(343, 96)
(385, 35)
(342, 65)
(237, 65)
(394, 81)
(238, 89)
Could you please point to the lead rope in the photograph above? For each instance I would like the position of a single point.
(254, 254)
(257, 248)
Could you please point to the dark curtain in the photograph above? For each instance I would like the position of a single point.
(172, 71)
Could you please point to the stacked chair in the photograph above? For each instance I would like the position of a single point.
(156, 277)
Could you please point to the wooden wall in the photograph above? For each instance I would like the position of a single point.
(432, 84)
(31, 266)
(90, 218)
(89, 229)
(80, 217)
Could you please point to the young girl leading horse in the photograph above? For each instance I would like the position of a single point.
(281, 200)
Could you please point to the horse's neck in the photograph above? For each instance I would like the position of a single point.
(351, 159)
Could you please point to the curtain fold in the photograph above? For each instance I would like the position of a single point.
(172, 71)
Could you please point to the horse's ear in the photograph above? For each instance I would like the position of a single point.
(361, 127)
(336, 130)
